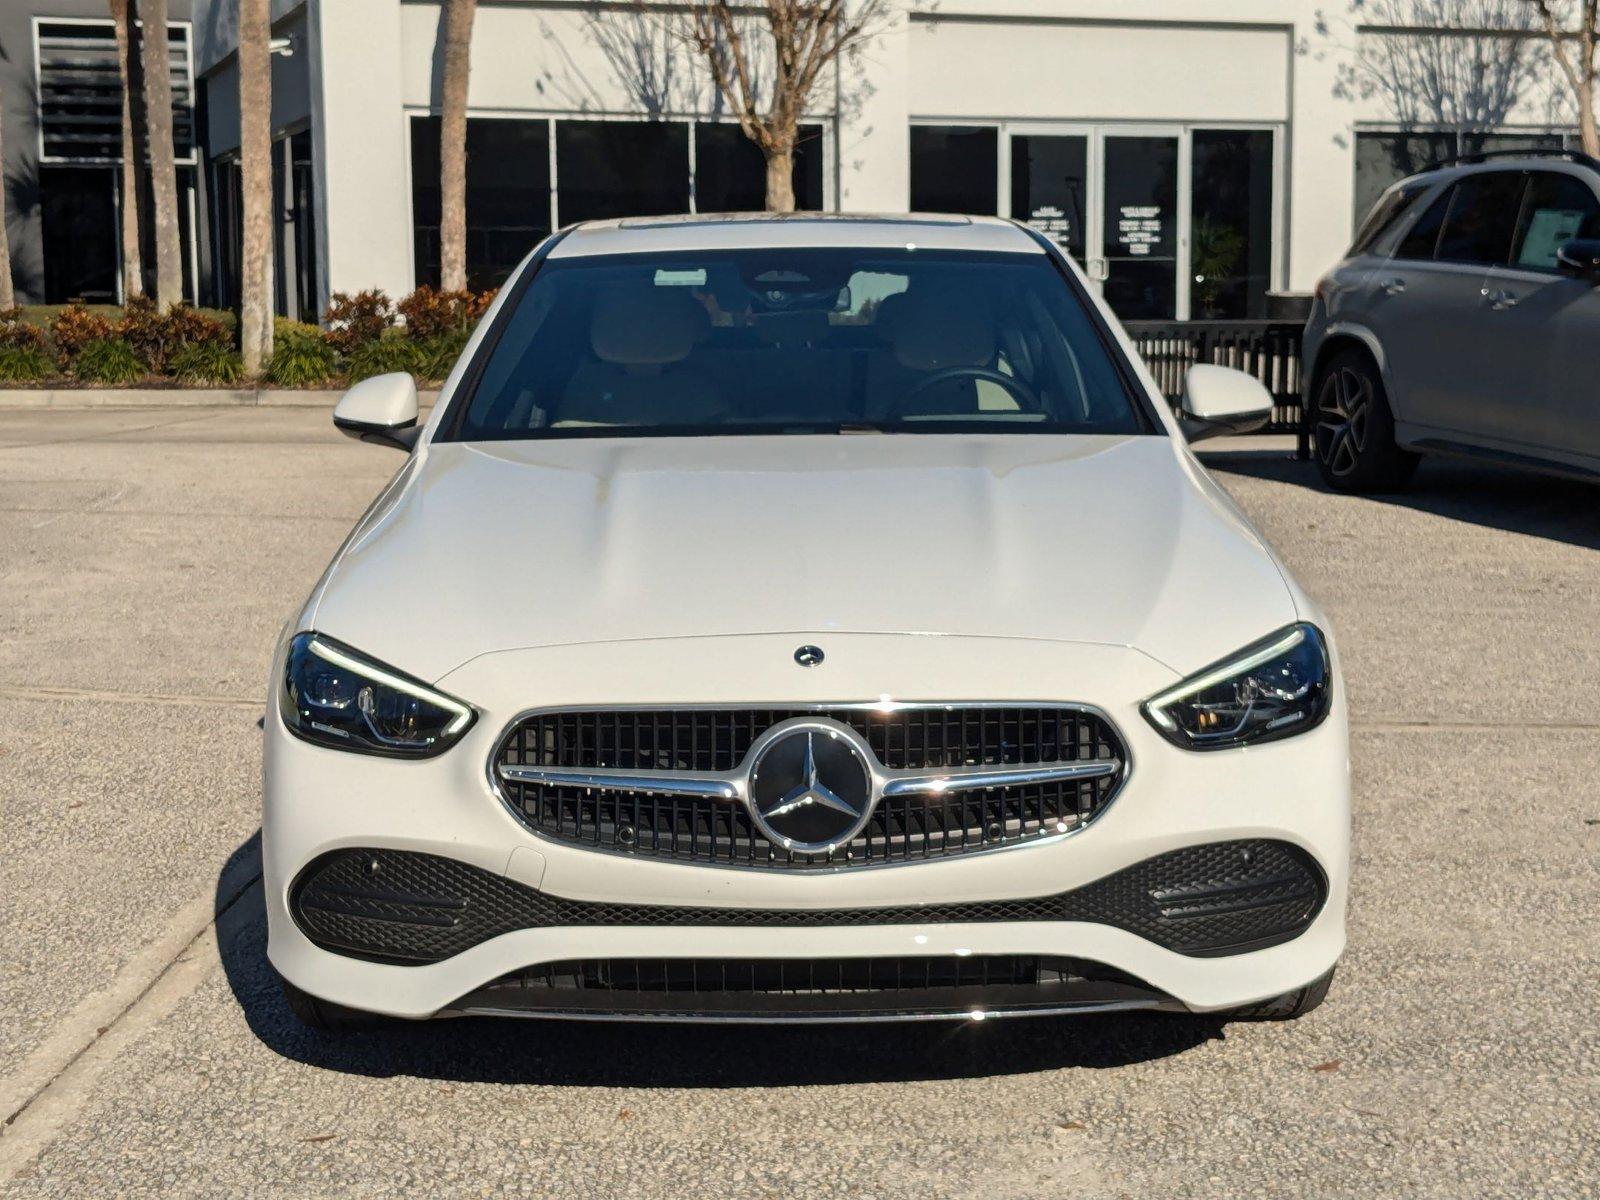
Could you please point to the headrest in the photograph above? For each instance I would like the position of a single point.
(935, 330)
(644, 326)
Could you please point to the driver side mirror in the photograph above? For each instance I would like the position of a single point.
(1220, 400)
(382, 409)
(1580, 258)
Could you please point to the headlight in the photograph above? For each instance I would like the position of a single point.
(1276, 688)
(335, 697)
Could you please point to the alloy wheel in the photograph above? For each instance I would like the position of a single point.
(1344, 410)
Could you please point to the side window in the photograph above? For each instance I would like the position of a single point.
(1386, 214)
(1424, 235)
(1558, 208)
(1483, 219)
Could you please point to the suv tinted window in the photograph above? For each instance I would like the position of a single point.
(1558, 208)
(1424, 235)
(1483, 219)
(1386, 214)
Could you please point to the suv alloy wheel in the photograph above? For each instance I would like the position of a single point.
(1352, 428)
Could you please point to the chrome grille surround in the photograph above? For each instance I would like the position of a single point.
(671, 781)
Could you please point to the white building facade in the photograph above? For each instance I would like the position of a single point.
(1200, 157)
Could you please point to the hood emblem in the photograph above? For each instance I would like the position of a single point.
(808, 656)
(810, 789)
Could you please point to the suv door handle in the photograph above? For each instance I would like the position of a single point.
(1499, 298)
(1395, 287)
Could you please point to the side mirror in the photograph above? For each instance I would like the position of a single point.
(382, 409)
(1580, 258)
(1221, 400)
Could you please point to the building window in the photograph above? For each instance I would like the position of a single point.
(1231, 247)
(731, 176)
(1050, 187)
(78, 216)
(954, 168)
(508, 196)
(621, 169)
(1385, 158)
(602, 169)
(79, 98)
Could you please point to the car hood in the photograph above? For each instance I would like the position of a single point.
(494, 546)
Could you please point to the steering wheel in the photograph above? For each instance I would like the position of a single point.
(1024, 394)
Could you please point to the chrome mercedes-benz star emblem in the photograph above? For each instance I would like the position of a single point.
(810, 788)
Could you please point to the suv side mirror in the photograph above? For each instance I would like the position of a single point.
(1221, 400)
(1580, 258)
(382, 409)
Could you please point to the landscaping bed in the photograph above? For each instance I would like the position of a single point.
(59, 350)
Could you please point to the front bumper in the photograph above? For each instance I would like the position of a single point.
(568, 904)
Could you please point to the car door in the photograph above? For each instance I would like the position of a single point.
(1427, 307)
(1543, 380)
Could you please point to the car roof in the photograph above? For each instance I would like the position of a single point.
(1566, 162)
(741, 231)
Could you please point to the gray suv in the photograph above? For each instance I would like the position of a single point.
(1464, 320)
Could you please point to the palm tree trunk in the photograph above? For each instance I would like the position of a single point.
(255, 156)
(458, 16)
(132, 146)
(8, 298)
(163, 172)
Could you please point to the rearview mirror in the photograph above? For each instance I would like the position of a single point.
(1220, 400)
(1580, 258)
(382, 409)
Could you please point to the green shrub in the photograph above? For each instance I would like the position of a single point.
(436, 357)
(300, 357)
(392, 353)
(24, 364)
(206, 362)
(74, 327)
(108, 360)
(357, 320)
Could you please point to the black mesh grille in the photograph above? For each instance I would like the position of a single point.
(395, 905)
(901, 828)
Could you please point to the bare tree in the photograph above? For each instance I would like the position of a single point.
(255, 161)
(457, 70)
(163, 171)
(1574, 52)
(801, 39)
(8, 297)
(133, 146)
(1460, 65)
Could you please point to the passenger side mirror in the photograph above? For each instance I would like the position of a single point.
(382, 409)
(1220, 400)
(1580, 258)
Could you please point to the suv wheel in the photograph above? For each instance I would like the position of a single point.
(325, 1016)
(1352, 428)
(1290, 1005)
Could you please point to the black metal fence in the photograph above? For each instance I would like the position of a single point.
(1269, 350)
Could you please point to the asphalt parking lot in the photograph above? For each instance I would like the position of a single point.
(148, 558)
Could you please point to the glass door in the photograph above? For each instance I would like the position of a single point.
(1050, 187)
(1139, 242)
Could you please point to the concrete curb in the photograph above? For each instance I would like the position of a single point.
(13, 398)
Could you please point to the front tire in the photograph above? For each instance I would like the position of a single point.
(323, 1015)
(1352, 428)
(1290, 1006)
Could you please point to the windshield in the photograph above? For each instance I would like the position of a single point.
(797, 341)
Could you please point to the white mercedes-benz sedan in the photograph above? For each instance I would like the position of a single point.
(800, 619)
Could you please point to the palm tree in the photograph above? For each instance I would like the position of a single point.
(458, 16)
(255, 159)
(132, 145)
(8, 298)
(163, 171)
